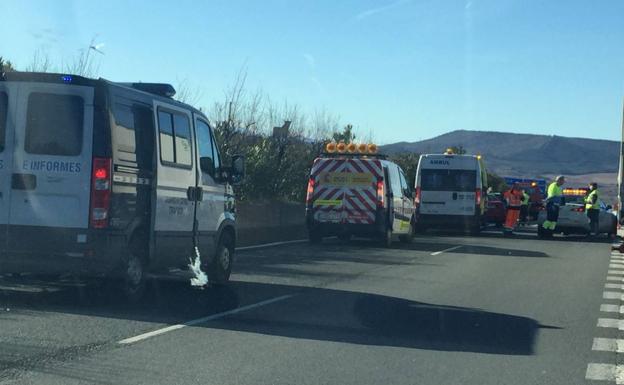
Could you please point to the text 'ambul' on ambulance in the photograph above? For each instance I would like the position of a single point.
(451, 191)
(353, 191)
(110, 179)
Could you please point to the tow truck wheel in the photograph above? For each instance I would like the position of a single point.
(220, 266)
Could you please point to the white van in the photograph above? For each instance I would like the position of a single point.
(358, 194)
(451, 191)
(109, 179)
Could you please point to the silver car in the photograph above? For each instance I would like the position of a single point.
(573, 218)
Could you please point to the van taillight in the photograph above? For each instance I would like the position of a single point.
(100, 193)
(381, 191)
(417, 196)
(310, 190)
(478, 197)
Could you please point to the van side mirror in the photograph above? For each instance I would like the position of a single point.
(609, 207)
(207, 165)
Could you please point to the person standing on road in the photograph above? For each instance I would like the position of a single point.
(592, 207)
(513, 197)
(554, 199)
(524, 207)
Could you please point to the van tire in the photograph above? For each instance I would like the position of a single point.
(133, 280)
(409, 237)
(220, 267)
(386, 238)
(344, 237)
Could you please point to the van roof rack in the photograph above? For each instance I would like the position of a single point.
(162, 89)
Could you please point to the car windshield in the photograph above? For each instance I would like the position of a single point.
(311, 192)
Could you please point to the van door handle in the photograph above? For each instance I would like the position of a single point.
(23, 181)
(194, 194)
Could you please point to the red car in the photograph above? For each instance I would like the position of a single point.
(496, 211)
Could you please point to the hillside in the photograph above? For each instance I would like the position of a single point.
(524, 155)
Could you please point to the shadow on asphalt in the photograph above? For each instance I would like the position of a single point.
(314, 313)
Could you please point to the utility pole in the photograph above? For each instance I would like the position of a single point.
(621, 171)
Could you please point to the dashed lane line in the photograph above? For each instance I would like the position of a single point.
(608, 345)
(197, 321)
(615, 281)
(605, 372)
(610, 323)
(609, 308)
(445, 250)
(264, 245)
(613, 295)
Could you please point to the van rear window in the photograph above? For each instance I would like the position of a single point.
(448, 180)
(54, 124)
(3, 118)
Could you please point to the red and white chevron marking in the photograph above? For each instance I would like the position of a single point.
(358, 202)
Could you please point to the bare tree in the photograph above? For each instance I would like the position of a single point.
(86, 64)
(40, 62)
(188, 93)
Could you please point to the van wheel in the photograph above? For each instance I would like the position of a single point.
(220, 266)
(407, 238)
(386, 239)
(133, 280)
(344, 237)
(314, 236)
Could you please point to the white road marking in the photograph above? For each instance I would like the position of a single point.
(614, 286)
(171, 328)
(270, 244)
(609, 323)
(615, 272)
(608, 345)
(601, 372)
(445, 250)
(616, 266)
(614, 278)
(613, 295)
(608, 308)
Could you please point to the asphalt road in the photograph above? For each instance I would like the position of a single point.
(447, 309)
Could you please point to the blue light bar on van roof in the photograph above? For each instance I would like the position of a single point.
(66, 78)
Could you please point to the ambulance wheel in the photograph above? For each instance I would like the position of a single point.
(220, 266)
(407, 238)
(314, 236)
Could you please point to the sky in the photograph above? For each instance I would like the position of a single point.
(398, 70)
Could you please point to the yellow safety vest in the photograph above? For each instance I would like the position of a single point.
(525, 199)
(554, 191)
(589, 198)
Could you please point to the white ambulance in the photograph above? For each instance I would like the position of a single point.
(450, 192)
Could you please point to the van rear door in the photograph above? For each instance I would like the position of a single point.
(345, 190)
(51, 164)
(448, 191)
(5, 155)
